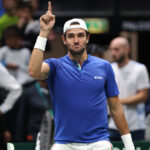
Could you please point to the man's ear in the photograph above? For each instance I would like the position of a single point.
(64, 39)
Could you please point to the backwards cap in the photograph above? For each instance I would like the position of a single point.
(68, 24)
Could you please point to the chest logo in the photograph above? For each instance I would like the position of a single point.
(98, 77)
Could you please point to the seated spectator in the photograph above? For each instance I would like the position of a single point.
(14, 56)
(31, 112)
(35, 6)
(28, 26)
(16, 59)
(7, 101)
(10, 16)
(95, 50)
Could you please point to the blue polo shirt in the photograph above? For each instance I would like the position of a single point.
(79, 98)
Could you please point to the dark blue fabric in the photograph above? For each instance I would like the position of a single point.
(136, 135)
(31, 109)
(79, 98)
(2, 10)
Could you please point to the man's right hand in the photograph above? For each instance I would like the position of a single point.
(47, 22)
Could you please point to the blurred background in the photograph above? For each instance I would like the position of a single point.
(107, 19)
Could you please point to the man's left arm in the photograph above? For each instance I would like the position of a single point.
(140, 97)
(142, 86)
(117, 113)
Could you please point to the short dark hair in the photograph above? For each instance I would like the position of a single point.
(23, 5)
(12, 31)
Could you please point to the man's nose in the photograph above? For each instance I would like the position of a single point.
(76, 40)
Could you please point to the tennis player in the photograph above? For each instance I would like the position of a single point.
(80, 87)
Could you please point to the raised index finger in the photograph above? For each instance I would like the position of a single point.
(49, 7)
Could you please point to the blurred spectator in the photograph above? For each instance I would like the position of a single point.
(16, 59)
(147, 109)
(35, 6)
(30, 29)
(14, 56)
(95, 50)
(55, 47)
(99, 51)
(10, 16)
(28, 26)
(31, 112)
(7, 101)
(133, 83)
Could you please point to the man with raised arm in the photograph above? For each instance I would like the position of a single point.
(80, 85)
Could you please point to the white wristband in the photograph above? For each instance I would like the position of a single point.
(127, 140)
(40, 43)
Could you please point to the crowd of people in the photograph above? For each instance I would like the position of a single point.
(23, 100)
(24, 97)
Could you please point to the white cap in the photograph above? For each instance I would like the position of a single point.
(68, 26)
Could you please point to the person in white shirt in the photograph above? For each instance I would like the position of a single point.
(9, 83)
(15, 57)
(31, 106)
(133, 83)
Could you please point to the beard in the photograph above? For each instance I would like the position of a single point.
(120, 59)
(73, 52)
(79, 52)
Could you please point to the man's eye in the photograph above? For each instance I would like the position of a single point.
(70, 36)
(116, 49)
(81, 35)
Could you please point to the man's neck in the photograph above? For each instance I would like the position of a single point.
(80, 58)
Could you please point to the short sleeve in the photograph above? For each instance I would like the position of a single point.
(143, 78)
(51, 64)
(111, 85)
